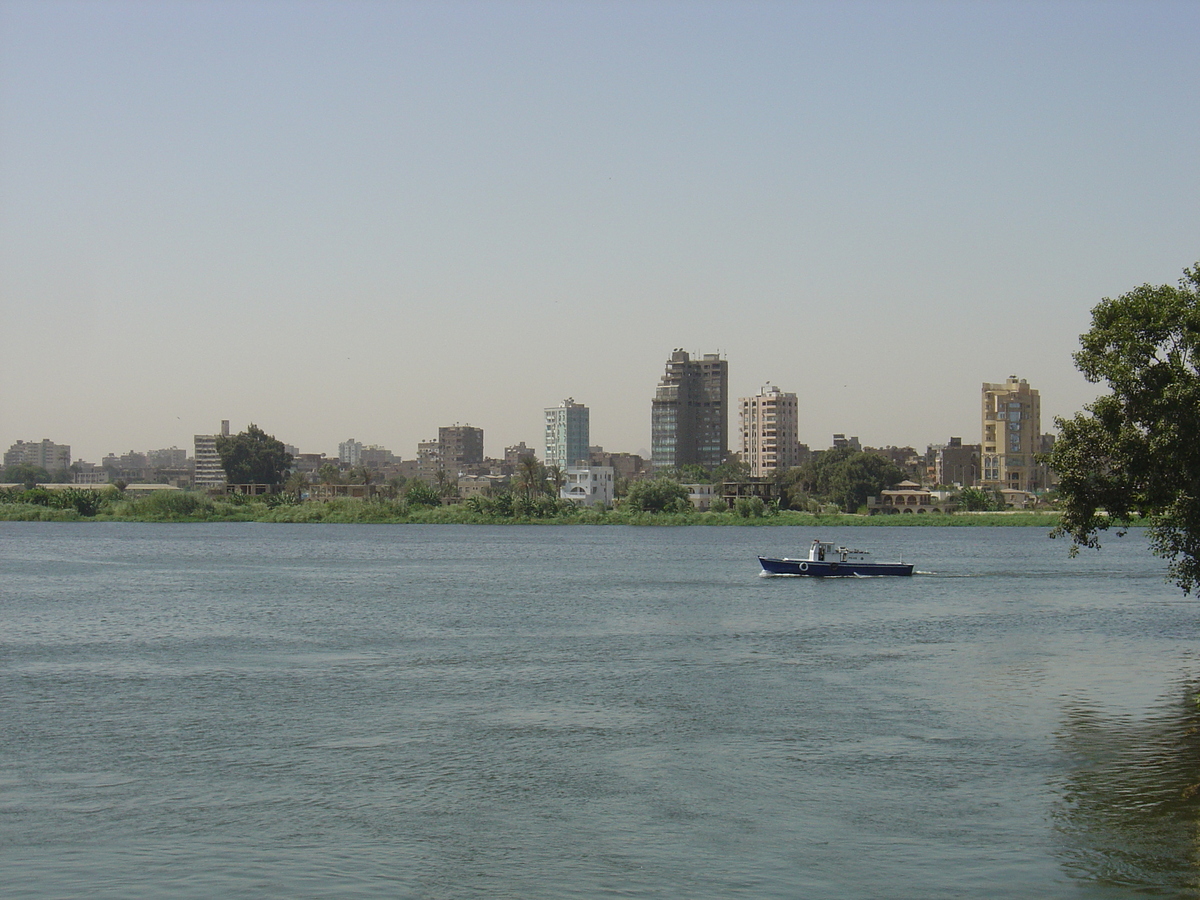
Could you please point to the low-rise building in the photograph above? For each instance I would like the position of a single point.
(906, 459)
(167, 458)
(128, 467)
(309, 464)
(482, 485)
(89, 473)
(514, 454)
(354, 454)
(406, 469)
(907, 497)
(703, 495)
(957, 463)
(333, 491)
(1016, 499)
(766, 490)
(376, 458)
(588, 485)
(624, 465)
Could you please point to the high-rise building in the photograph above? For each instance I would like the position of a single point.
(461, 445)
(45, 454)
(568, 434)
(1011, 426)
(350, 452)
(769, 422)
(689, 417)
(209, 473)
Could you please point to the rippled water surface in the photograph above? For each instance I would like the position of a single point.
(428, 712)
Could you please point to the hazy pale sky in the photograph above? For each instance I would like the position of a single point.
(368, 219)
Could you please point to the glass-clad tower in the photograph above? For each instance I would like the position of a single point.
(689, 416)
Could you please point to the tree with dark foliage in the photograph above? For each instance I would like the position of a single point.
(253, 457)
(1134, 454)
(845, 476)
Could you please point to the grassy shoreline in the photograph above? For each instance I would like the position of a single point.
(196, 508)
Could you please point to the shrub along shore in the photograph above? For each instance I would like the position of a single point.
(185, 506)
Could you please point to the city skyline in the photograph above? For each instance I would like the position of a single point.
(372, 219)
(778, 437)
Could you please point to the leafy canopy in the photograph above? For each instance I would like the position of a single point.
(845, 476)
(730, 470)
(253, 457)
(1135, 452)
(421, 494)
(976, 499)
(658, 495)
(27, 474)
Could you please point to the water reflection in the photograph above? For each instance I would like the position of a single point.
(1129, 806)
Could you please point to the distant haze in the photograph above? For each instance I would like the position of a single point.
(371, 219)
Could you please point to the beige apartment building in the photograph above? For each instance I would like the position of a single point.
(45, 454)
(1011, 427)
(770, 423)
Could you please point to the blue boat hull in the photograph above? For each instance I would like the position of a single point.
(831, 569)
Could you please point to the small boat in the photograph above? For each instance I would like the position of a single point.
(826, 559)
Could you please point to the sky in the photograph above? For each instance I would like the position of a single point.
(371, 219)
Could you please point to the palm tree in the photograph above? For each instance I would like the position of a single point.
(557, 478)
(446, 485)
(531, 477)
(393, 486)
(297, 482)
(361, 475)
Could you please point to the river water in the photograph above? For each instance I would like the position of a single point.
(250, 710)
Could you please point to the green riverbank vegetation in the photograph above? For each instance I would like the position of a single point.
(831, 489)
(112, 505)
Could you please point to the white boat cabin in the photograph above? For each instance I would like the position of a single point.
(827, 551)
